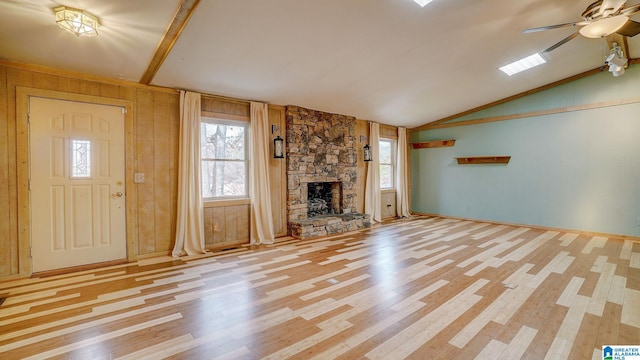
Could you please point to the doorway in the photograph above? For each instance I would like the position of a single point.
(77, 183)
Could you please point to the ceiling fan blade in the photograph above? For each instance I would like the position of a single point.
(610, 7)
(551, 27)
(562, 42)
(631, 10)
(630, 28)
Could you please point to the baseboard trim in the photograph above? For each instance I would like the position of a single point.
(582, 232)
(74, 269)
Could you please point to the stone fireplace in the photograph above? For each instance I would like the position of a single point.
(321, 148)
(323, 198)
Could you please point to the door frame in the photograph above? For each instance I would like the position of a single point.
(23, 94)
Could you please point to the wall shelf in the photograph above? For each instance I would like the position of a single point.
(433, 144)
(483, 160)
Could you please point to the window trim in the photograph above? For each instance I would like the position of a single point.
(393, 147)
(217, 119)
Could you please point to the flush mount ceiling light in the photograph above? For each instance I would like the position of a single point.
(422, 2)
(523, 64)
(76, 21)
(604, 27)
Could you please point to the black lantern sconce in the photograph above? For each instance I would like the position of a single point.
(278, 144)
(366, 151)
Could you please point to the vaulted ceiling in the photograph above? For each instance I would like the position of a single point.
(390, 61)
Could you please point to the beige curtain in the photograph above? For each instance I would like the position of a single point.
(402, 175)
(372, 198)
(190, 223)
(261, 217)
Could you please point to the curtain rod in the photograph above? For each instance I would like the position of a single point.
(226, 98)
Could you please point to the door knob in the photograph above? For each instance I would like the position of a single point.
(118, 194)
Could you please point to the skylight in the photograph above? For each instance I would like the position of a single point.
(523, 64)
(422, 2)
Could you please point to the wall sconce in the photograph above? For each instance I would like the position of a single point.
(366, 151)
(278, 144)
(76, 21)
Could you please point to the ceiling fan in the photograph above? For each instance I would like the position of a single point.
(601, 18)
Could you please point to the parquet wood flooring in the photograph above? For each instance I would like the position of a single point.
(426, 287)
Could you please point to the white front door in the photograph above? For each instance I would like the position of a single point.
(77, 183)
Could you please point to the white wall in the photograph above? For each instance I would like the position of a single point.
(575, 170)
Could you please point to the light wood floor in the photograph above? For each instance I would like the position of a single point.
(425, 288)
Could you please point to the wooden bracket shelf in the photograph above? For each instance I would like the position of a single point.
(433, 144)
(483, 160)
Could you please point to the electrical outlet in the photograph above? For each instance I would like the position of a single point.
(138, 178)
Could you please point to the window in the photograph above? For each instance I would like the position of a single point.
(387, 157)
(225, 160)
(80, 159)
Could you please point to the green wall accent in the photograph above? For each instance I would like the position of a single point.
(577, 170)
(593, 89)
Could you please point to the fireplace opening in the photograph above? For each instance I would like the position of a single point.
(323, 198)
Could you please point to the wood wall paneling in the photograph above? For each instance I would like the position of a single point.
(388, 203)
(18, 155)
(163, 184)
(215, 227)
(9, 253)
(152, 138)
(145, 164)
(173, 164)
(130, 187)
(109, 90)
(362, 129)
(388, 131)
(237, 224)
(218, 228)
(226, 223)
(278, 174)
(229, 107)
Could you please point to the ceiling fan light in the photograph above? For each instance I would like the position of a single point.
(616, 61)
(615, 68)
(523, 64)
(618, 73)
(604, 27)
(76, 21)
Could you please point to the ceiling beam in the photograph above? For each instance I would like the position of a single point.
(510, 98)
(180, 20)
